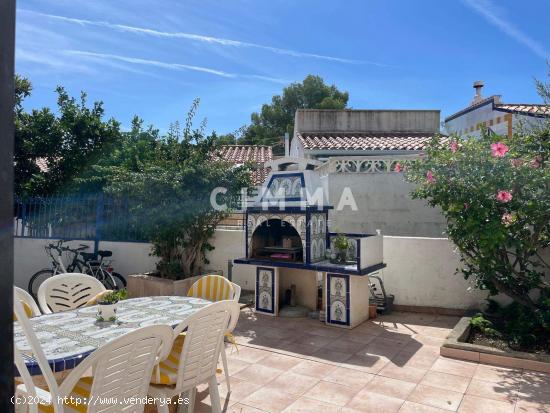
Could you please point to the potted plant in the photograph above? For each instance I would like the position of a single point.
(341, 244)
(107, 305)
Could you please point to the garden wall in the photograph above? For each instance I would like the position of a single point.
(420, 271)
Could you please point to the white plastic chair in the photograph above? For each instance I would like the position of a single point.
(67, 291)
(217, 290)
(25, 297)
(121, 371)
(199, 356)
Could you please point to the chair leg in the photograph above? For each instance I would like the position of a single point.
(162, 408)
(214, 395)
(192, 395)
(225, 369)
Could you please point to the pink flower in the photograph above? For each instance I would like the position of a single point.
(398, 167)
(535, 163)
(454, 146)
(430, 177)
(504, 196)
(516, 163)
(508, 219)
(499, 149)
(466, 205)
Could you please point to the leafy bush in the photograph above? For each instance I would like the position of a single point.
(480, 323)
(494, 192)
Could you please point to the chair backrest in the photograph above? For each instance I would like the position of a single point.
(122, 368)
(236, 292)
(67, 291)
(25, 297)
(203, 342)
(212, 287)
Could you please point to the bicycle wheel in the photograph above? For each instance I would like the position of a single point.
(119, 280)
(37, 279)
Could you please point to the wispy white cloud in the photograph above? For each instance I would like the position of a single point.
(200, 38)
(493, 15)
(107, 57)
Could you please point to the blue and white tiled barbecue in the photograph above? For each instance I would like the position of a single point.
(70, 336)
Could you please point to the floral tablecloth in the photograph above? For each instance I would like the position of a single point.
(68, 337)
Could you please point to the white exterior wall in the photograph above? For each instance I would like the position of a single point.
(463, 124)
(383, 202)
(420, 271)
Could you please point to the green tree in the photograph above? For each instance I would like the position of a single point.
(68, 142)
(277, 118)
(171, 191)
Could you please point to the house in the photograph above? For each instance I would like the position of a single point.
(500, 118)
(362, 151)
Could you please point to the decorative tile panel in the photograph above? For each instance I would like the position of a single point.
(318, 233)
(288, 187)
(338, 303)
(265, 290)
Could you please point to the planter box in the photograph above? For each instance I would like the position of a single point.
(142, 285)
(456, 347)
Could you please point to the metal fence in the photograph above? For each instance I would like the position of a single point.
(94, 217)
(83, 217)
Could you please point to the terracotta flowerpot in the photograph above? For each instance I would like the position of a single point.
(142, 285)
(372, 311)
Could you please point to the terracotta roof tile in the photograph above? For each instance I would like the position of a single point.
(365, 141)
(527, 109)
(259, 175)
(246, 153)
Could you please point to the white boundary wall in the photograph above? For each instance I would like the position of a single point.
(420, 271)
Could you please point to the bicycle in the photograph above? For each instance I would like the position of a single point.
(89, 264)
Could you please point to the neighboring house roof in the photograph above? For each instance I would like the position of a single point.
(255, 154)
(396, 141)
(42, 164)
(246, 153)
(260, 175)
(525, 109)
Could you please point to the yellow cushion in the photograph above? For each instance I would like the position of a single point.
(28, 311)
(97, 297)
(212, 287)
(167, 370)
(81, 392)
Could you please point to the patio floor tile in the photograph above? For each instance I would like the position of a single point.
(269, 399)
(294, 383)
(348, 377)
(391, 364)
(473, 404)
(313, 369)
(249, 354)
(257, 373)
(411, 407)
(498, 391)
(306, 405)
(331, 393)
(446, 381)
(278, 361)
(435, 397)
(406, 373)
(459, 368)
(368, 402)
(391, 387)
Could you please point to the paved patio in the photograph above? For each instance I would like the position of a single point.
(391, 364)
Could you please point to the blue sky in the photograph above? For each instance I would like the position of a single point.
(152, 58)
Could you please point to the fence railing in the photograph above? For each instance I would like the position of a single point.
(94, 217)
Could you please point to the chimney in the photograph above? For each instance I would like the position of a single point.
(478, 86)
(287, 145)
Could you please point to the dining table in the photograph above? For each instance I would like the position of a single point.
(68, 337)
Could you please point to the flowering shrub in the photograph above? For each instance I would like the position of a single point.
(495, 195)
